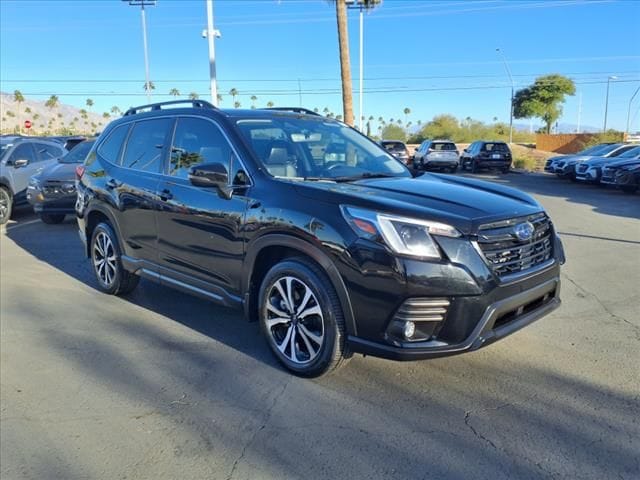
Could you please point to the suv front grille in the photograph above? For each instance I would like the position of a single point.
(582, 168)
(507, 253)
(608, 174)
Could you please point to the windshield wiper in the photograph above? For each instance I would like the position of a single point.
(366, 175)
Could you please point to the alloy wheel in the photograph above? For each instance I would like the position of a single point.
(104, 259)
(294, 320)
(4, 206)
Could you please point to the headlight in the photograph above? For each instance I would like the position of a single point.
(406, 236)
(34, 182)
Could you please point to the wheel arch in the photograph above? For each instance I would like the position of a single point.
(272, 248)
(94, 216)
(4, 182)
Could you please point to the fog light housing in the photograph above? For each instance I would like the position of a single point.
(409, 330)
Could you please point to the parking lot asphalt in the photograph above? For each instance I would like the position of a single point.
(161, 385)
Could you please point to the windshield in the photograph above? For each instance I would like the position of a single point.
(78, 153)
(316, 149)
(443, 146)
(633, 153)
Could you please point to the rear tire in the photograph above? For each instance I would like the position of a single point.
(6, 205)
(629, 188)
(52, 219)
(505, 170)
(308, 337)
(106, 262)
(474, 166)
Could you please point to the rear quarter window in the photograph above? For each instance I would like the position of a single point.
(111, 147)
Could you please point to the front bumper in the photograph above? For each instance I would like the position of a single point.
(499, 320)
(62, 204)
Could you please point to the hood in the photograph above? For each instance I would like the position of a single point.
(59, 171)
(599, 161)
(624, 163)
(461, 202)
(578, 158)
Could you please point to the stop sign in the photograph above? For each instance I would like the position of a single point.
(27, 124)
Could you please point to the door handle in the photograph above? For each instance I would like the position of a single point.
(112, 183)
(166, 195)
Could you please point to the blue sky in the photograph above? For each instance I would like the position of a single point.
(431, 56)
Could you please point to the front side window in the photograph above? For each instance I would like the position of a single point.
(294, 147)
(197, 141)
(146, 144)
(23, 152)
(110, 149)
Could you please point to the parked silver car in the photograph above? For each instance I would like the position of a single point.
(20, 159)
(437, 155)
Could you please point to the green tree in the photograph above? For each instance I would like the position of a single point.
(149, 86)
(393, 132)
(270, 104)
(174, 92)
(89, 103)
(114, 111)
(343, 45)
(253, 101)
(406, 112)
(193, 96)
(442, 126)
(543, 99)
(105, 115)
(237, 104)
(219, 98)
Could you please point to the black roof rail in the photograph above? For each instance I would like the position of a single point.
(157, 106)
(295, 110)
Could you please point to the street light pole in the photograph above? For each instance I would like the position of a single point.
(506, 66)
(606, 102)
(210, 34)
(361, 66)
(142, 4)
(629, 110)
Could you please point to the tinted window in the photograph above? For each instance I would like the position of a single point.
(145, 145)
(495, 147)
(197, 141)
(48, 152)
(23, 152)
(393, 146)
(631, 153)
(78, 153)
(448, 146)
(606, 149)
(110, 148)
(626, 148)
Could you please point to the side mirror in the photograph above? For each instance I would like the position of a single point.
(211, 175)
(23, 162)
(465, 150)
(416, 149)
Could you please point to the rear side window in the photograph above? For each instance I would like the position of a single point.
(146, 144)
(197, 141)
(111, 147)
(48, 152)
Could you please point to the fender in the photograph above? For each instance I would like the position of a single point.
(313, 252)
(4, 181)
(98, 207)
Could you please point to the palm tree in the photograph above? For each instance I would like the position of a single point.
(105, 115)
(234, 93)
(343, 44)
(316, 109)
(253, 101)
(406, 112)
(19, 98)
(339, 117)
(270, 104)
(236, 104)
(174, 92)
(149, 87)
(219, 98)
(89, 103)
(326, 111)
(115, 111)
(419, 122)
(52, 102)
(193, 96)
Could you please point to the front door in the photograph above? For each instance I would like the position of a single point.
(21, 166)
(200, 230)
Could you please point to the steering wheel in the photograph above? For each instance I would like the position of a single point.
(333, 166)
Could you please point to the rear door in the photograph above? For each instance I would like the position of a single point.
(199, 230)
(136, 185)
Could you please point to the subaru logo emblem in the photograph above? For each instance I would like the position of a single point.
(524, 231)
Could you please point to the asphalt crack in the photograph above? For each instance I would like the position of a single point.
(265, 422)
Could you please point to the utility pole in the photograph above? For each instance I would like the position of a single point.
(629, 110)
(606, 102)
(299, 94)
(142, 4)
(579, 111)
(361, 58)
(506, 66)
(210, 34)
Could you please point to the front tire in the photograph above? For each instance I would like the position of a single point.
(105, 259)
(6, 205)
(474, 166)
(301, 318)
(51, 219)
(629, 188)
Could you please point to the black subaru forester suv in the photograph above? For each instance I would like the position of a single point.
(314, 231)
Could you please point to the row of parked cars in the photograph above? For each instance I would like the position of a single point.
(443, 155)
(40, 170)
(606, 164)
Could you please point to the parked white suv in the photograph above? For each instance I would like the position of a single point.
(437, 155)
(20, 159)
